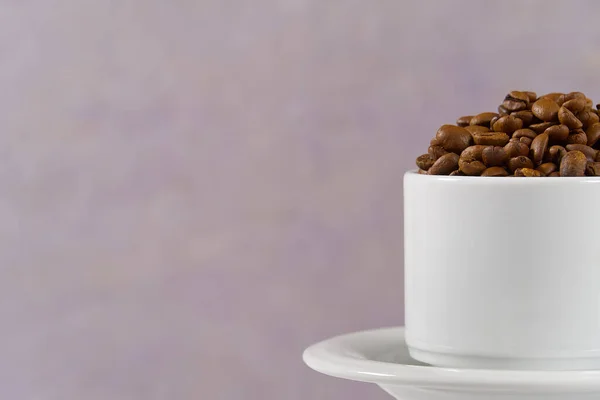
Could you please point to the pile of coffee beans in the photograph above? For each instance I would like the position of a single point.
(556, 134)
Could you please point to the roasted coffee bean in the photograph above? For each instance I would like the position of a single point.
(493, 121)
(470, 166)
(519, 162)
(511, 105)
(516, 148)
(524, 133)
(569, 119)
(494, 156)
(502, 111)
(557, 153)
(577, 136)
(507, 124)
(444, 165)
(557, 133)
(588, 118)
(538, 148)
(547, 168)
(457, 172)
(494, 171)
(425, 162)
(589, 152)
(483, 119)
(593, 134)
(575, 105)
(545, 109)
(422, 172)
(464, 121)
(532, 96)
(555, 174)
(490, 138)
(436, 152)
(526, 116)
(475, 151)
(592, 169)
(554, 96)
(453, 138)
(518, 95)
(589, 104)
(573, 163)
(527, 172)
(476, 128)
(542, 126)
(526, 140)
(575, 95)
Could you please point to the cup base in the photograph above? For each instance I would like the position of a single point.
(445, 360)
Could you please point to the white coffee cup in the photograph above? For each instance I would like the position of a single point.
(503, 272)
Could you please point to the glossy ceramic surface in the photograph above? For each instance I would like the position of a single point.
(503, 273)
(381, 357)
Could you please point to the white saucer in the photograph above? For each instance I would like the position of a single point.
(381, 357)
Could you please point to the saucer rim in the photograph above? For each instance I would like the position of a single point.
(341, 356)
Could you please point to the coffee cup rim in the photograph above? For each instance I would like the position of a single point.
(554, 180)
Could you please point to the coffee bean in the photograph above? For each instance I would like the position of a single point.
(526, 116)
(493, 121)
(532, 96)
(425, 162)
(511, 105)
(569, 119)
(555, 174)
(538, 148)
(457, 172)
(575, 105)
(573, 163)
(593, 134)
(545, 109)
(422, 172)
(557, 153)
(589, 104)
(557, 133)
(490, 138)
(577, 136)
(475, 151)
(436, 152)
(470, 166)
(592, 169)
(494, 171)
(494, 156)
(554, 96)
(587, 118)
(547, 168)
(542, 126)
(507, 124)
(526, 140)
(464, 121)
(444, 165)
(516, 148)
(453, 138)
(476, 128)
(589, 152)
(501, 111)
(518, 95)
(519, 162)
(519, 133)
(483, 119)
(528, 172)
(575, 95)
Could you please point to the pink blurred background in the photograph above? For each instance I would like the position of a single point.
(196, 190)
